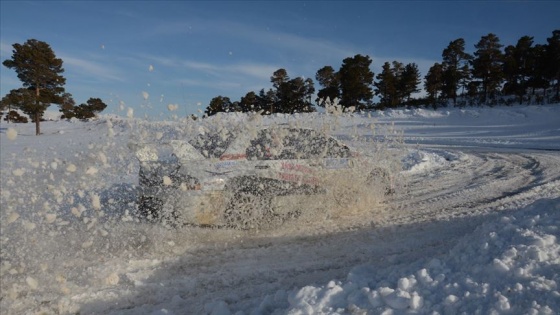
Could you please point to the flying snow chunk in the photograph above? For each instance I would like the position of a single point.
(18, 171)
(112, 279)
(11, 133)
(130, 113)
(167, 181)
(102, 157)
(91, 170)
(95, 201)
(172, 107)
(29, 226)
(151, 68)
(12, 217)
(76, 212)
(145, 95)
(32, 283)
(50, 217)
(451, 299)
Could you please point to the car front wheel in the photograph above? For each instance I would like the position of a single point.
(248, 211)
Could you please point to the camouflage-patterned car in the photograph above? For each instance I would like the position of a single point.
(247, 180)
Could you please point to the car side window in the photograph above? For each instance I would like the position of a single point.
(212, 145)
(260, 147)
(289, 144)
(337, 150)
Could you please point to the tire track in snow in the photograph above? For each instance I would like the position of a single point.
(466, 187)
(438, 207)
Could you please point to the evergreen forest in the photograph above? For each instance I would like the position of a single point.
(492, 74)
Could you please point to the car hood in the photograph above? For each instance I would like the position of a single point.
(165, 151)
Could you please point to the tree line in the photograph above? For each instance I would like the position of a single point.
(40, 72)
(491, 75)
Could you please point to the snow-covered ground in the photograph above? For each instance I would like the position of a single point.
(472, 229)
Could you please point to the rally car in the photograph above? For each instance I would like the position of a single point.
(248, 179)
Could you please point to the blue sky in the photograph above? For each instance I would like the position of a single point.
(187, 52)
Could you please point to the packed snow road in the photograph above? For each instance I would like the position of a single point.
(437, 207)
(474, 181)
(69, 244)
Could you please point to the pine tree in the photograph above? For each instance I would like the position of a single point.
(433, 83)
(398, 71)
(218, 104)
(309, 91)
(297, 96)
(538, 74)
(330, 81)
(396, 82)
(519, 62)
(39, 70)
(553, 61)
(249, 102)
(22, 98)
(91, 108)
(455, 68)
(67, 106)
(279, 77)
(386, 86)
(292, 95)
(487, 65)
(356, 80)
(266, 101)
(410, 80)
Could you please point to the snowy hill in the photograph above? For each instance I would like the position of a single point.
(472, 229)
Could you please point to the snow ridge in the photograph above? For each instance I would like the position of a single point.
(505, 266)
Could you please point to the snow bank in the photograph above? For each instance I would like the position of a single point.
(510, 264)
(417, 161)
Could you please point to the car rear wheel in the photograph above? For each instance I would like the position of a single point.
(249, 211)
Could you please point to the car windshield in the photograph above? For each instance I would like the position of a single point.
(212, 145)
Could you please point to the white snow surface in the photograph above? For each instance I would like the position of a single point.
(473, 228)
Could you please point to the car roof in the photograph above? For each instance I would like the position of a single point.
(304, 142)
